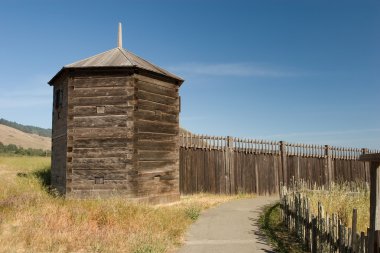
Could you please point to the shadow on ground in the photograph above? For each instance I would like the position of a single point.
(272, 229)
(43, 175)
(259, 234)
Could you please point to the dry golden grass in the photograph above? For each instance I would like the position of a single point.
(33, 220)
(340, 201)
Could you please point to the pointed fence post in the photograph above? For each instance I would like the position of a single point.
(284, 162)
(328, 172)
(228, 164)
(374, 199)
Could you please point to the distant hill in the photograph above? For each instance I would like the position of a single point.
(9, 135)
(45, 132)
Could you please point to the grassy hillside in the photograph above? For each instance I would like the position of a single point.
(9, 135)
(34, 220)
(27, 129)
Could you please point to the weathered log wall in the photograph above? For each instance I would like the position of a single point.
(117, 135)
(59, 136)
(100, 137)
(156, 138)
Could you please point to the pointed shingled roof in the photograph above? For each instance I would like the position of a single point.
(117, 57)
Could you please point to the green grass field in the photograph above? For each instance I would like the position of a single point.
(32, 219)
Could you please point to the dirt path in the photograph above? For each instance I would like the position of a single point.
(230, 227)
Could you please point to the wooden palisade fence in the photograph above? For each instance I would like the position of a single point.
(323, 232)
(230, 165)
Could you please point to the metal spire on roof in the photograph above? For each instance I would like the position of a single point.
(120, 37)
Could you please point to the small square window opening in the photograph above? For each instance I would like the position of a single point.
(100, 109)
(99, 180)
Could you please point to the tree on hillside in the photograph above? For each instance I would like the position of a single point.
(12, 149)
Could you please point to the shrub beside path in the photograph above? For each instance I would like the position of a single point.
(231, 227)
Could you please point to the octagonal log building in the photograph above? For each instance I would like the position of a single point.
(115, 128)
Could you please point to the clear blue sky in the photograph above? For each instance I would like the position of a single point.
(299, 71)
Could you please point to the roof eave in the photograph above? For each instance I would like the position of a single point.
(51, 82)
(179, 81)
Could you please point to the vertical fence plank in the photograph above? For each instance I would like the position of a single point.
(328, 161)
(362, 243)
(355, 248)
(314, 235)
(283, 156)
(377, 242)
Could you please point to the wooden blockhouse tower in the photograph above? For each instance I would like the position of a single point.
(115, 128)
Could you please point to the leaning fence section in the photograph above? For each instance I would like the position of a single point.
(323, 232)
(227, 164)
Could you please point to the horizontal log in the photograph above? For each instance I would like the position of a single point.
(147, 187)
(109, 132)
(151, 106)
(106, 166)
(102, 152)
(101, 101)
(106, 160)
(108, 110)
(151, 173)
(152, 186)
(156, 116)
(153, 178)
(158, 89)
(156, 127)
(157, 136)
(108, 185)
(157, 123)
(144, 95)
(156, 145)
(101, 121)
(143, 165)
(106, 81)
(159, 191)
(101, 142)
(107, 174)
(90, 183)
(155, 82)
(144, 155)
(99, 91)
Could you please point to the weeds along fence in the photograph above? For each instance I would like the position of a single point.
(321, 232)
(230, 165)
